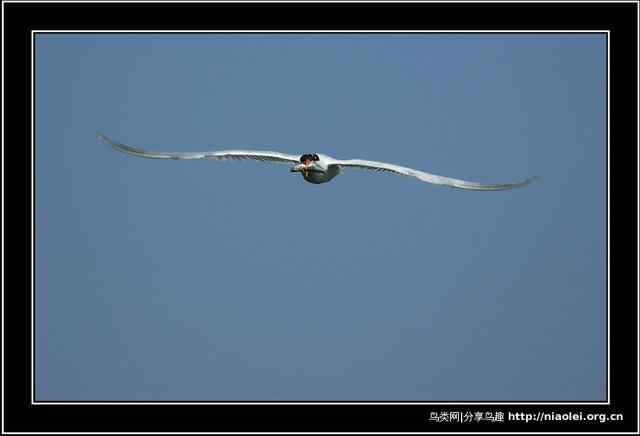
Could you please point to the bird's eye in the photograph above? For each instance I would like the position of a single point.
(315, 157)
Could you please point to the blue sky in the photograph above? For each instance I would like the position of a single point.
(202, 280)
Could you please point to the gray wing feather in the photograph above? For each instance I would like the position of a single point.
(430, 178)
(272, 156)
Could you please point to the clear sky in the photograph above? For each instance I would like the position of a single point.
(208, 280)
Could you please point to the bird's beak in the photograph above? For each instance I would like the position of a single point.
(303, 168)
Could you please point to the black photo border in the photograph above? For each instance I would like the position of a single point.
(21, 414)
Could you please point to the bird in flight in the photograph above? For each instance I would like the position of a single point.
(315, 168)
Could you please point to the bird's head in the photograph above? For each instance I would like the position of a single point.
(307, 164)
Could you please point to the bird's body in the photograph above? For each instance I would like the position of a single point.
(323, 176)
(315, 168)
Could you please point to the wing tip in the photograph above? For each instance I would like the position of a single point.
(530, 180)
(122, 147)
(520, 184)
(104, 138)
(496, 187)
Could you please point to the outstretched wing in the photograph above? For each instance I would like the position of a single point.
(272, 156)
(429, 178)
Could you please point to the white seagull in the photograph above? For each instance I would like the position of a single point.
(316, 168)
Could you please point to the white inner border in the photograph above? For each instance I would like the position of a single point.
(452, 403)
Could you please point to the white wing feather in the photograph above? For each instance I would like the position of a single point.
(272, 156)
(429, 178)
